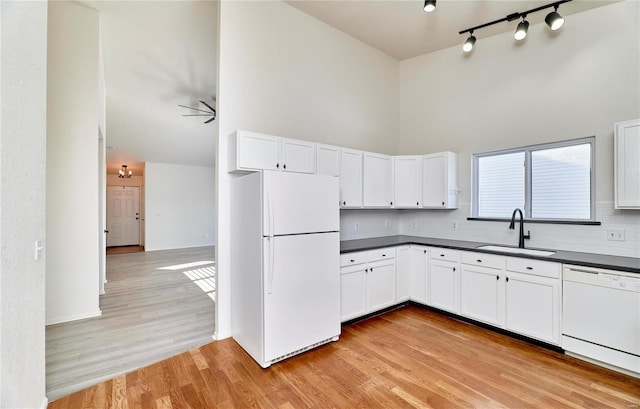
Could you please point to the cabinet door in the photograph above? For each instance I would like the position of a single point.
(351, 178)
(377, 180)
(407, 181)
(352, 292)
(532, 306)
(439, 181)
(444, 285)
(419, 288)
(258, 151)
(627, 165)
(481, 292)
(328, 160)
(403, 272)
(381, 285)
(298, 156)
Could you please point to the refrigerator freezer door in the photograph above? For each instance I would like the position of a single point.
(302, 292)
(297, 203)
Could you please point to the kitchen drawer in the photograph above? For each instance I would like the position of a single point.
(381, 254)
(350, 259)
(535, 267)
(484, 260)
(445, 254)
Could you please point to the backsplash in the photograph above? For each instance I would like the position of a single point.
(439, 224)
(362, 224)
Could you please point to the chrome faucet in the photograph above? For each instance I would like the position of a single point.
(522, 236)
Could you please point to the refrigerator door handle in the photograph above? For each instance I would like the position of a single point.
(271, 230)
(270, 272)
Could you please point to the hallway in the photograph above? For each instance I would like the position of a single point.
(157, 305)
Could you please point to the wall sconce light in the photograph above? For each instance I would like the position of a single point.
(123, 173)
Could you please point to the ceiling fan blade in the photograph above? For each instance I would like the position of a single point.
(209, 120)
(196, 109)
(208, 106)
(199, 115)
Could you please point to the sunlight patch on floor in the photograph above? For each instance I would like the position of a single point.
(205, 279)
(187, 265)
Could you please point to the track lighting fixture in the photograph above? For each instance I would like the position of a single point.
(553, 20)
(429, 5)
(468, 45)
(521, 30)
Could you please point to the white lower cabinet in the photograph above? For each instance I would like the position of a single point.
(368, 282)
(532, 303)
(482, 288)
(403, 273)
(419, 274)
(352, 292)
(444, 280)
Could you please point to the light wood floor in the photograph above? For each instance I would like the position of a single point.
(407, 358)
(149, 313)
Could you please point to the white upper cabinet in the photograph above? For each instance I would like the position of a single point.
(377, 180)
(328, 160)
(407, 181)
(297, 156)
(251, 151)
(440, 181)
(350, 178)
(627, 165)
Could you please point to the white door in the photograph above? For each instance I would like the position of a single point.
(433, 181)
(419, 274)
(377, 180)
(532, 306)
(258, 151)
(298, 156)
(302, 292)
(407, 181)
(480, 290)
(123, 216)
(328, 160)
(353, 292)
(351, 178)
(444, 285)
(298, 203)
(381, 285)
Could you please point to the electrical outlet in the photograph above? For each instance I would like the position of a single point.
(615, 234)
(386, 223)
(454, 225)
(356, 226)
(414, 224)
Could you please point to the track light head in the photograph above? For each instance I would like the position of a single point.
(521, 30)
(469, 43)
(554, 20)
(429, 5)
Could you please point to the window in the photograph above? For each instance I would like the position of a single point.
(552, 182)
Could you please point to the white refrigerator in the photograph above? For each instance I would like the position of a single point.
(285, 263)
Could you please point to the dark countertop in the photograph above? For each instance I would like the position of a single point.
(630, 264)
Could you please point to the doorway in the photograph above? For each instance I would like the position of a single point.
(123, 216)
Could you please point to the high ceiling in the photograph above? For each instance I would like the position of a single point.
(159, 54)
(401, 29)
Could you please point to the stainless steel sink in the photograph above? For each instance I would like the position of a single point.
(515, 250)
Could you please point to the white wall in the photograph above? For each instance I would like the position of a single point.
(73, 280)
(282, 72)
(570, 84)
(23, 86)
(179, 206)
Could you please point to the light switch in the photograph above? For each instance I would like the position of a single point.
(39, 248)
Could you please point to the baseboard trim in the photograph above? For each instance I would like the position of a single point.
(75, 317)
(45, 403)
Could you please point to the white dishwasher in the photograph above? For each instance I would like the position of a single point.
(601, 316)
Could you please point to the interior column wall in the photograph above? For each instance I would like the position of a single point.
(23, 86)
